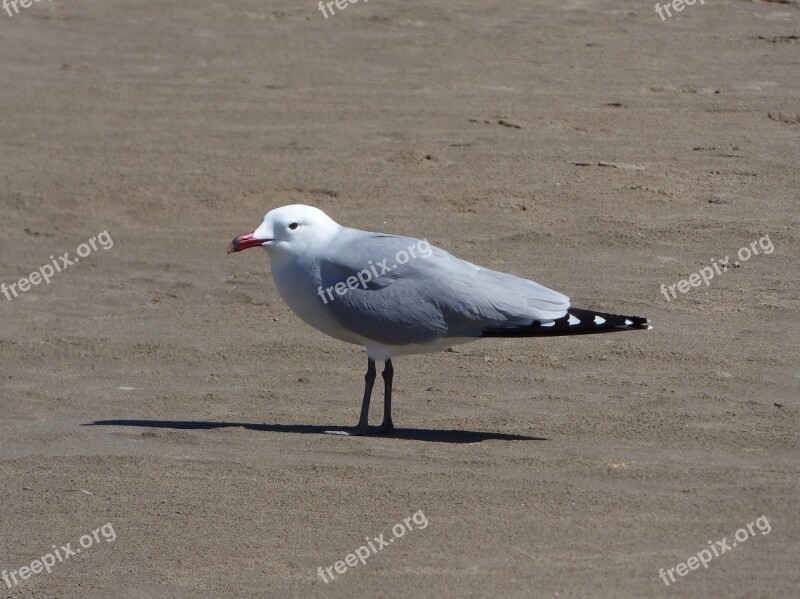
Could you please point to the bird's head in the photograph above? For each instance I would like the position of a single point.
(294, 229)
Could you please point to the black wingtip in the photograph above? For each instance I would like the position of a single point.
(575, 322)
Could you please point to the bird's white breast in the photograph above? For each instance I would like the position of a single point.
(299, 289)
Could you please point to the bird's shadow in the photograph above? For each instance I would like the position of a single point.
(409, 434)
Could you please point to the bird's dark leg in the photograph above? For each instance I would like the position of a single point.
(362, 428)
(363, 421)
(388, 374)
(369, 381)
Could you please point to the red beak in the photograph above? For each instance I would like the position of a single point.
(243, 242)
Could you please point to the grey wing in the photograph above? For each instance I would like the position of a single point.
(432, 295)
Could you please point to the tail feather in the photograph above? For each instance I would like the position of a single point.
(575, 322)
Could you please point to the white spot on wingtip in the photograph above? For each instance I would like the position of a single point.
(628, 322)
(573, 320)
(599, 320)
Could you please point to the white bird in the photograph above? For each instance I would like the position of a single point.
(399, 295)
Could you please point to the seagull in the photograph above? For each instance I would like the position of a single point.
(398, 295)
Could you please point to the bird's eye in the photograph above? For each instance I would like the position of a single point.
(293, 226)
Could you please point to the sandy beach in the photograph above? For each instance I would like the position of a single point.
(159, 388)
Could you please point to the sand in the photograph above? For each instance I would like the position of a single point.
(590, 146)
